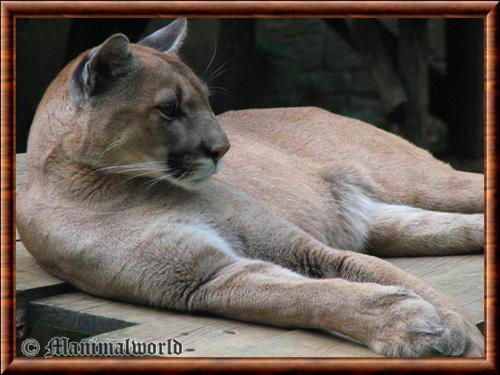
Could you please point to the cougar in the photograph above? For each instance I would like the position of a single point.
(126, 199)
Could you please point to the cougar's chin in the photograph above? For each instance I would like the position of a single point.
(198, 174)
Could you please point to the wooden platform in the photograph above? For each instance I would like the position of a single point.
(47, 303)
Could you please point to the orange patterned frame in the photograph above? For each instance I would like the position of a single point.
(10, 10)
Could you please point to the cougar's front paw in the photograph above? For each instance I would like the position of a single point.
(408, 326)
(465, 338)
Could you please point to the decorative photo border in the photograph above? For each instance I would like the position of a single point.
(11, 10)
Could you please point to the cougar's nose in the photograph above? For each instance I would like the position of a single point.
(218, 152)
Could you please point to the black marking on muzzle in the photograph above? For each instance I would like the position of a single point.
(177, 162)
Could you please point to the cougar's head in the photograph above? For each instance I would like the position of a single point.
(144, 113)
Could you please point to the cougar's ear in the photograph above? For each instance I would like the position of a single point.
(169, 38)
(102, 66)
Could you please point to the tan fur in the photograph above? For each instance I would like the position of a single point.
(267, 239)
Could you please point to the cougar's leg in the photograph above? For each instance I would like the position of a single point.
(362, 222)
(453, 191)
(406, 231)
(444, 190)
(188, 268)
(191, 268)
(302, 253)
(390, 320)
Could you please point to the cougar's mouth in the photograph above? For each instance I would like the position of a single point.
(192, 173)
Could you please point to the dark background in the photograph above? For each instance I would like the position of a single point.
(421, 79)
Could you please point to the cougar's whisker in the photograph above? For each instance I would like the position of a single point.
(132, 167)
(219, 90)
(216, 73)
(157, 180)
(211, 60)
(140, 175)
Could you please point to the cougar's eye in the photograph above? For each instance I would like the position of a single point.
(169, 111)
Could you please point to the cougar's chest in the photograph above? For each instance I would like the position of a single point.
(287, 186)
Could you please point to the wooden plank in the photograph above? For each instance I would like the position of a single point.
(101, 307)
(216, 337)
(301, 343)
(46, 315)
(240, 340)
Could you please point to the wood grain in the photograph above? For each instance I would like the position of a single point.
(253, 8)
(485, 9)
(7, 191)
(491, 168)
